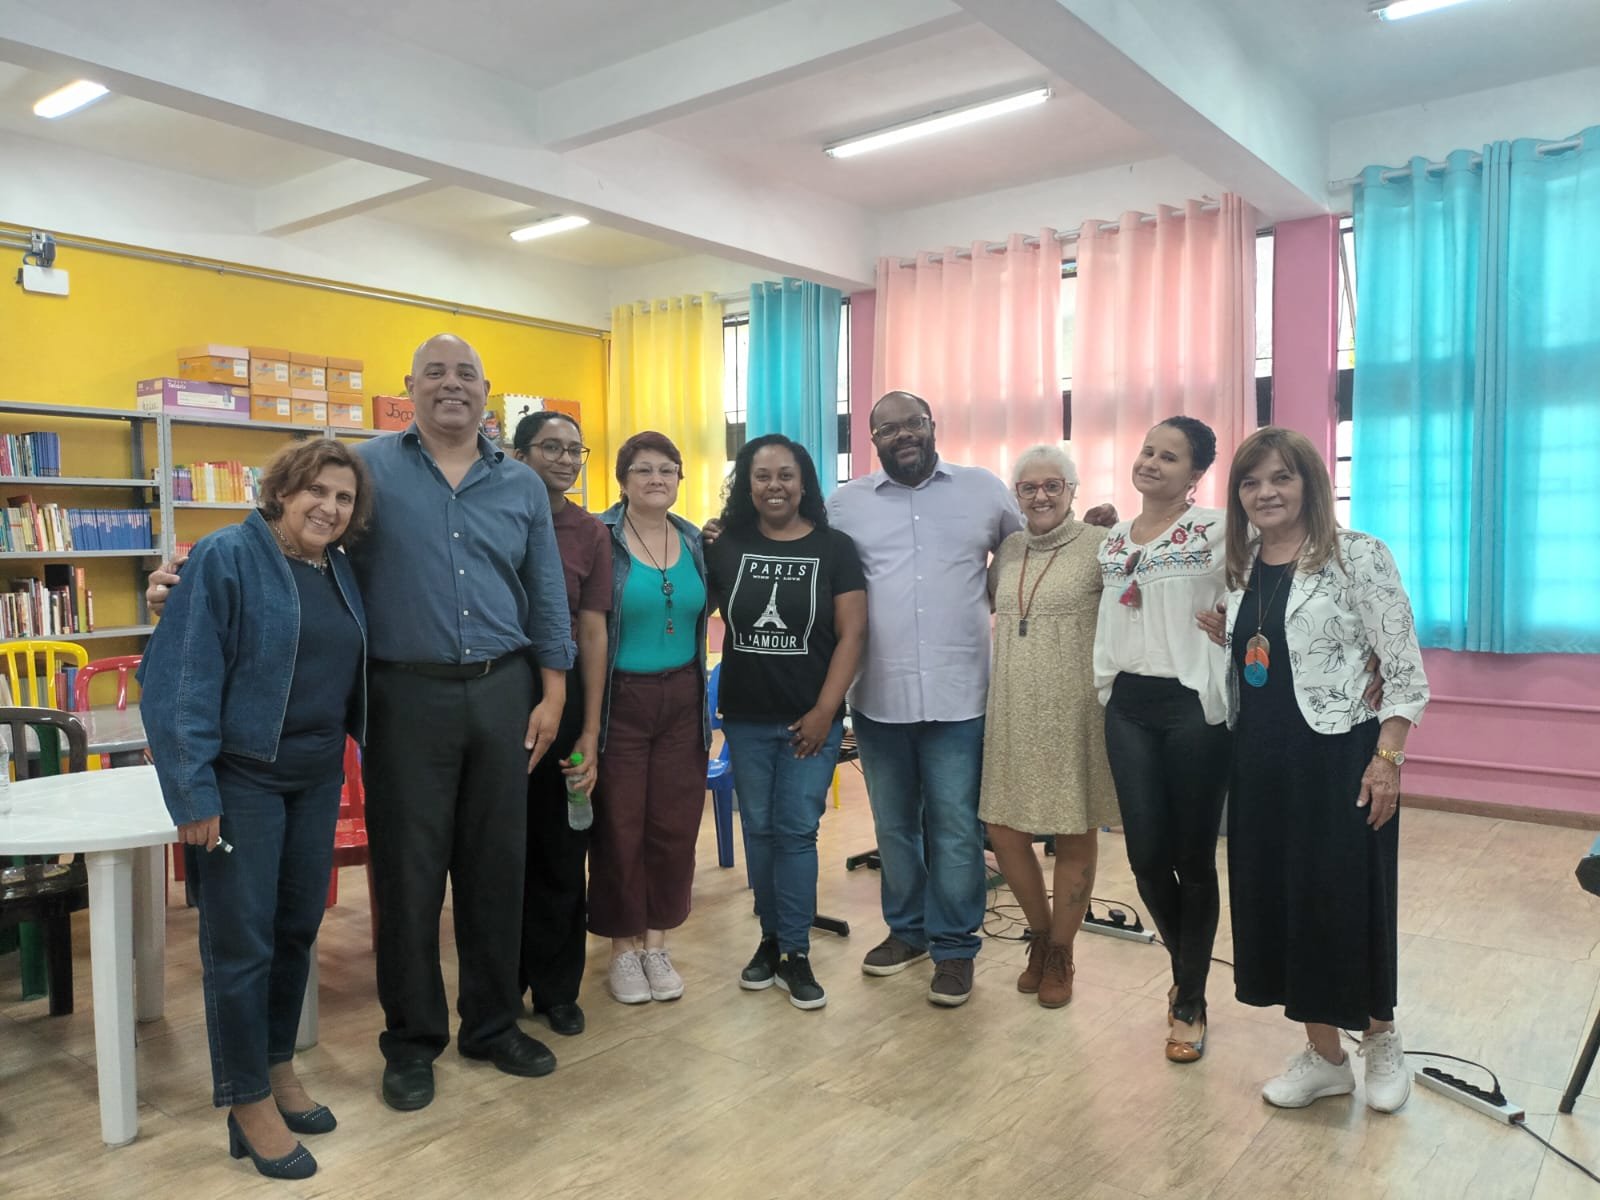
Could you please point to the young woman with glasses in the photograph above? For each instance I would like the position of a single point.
(654, 729)
(554, 920)
(1161, 680)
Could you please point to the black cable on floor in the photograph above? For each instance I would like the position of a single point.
(1558, 1153)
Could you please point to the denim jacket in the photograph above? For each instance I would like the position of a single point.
(621, 563)
(217, 671)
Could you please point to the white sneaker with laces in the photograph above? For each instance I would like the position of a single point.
(1308, 1077)
(665, 982)
(1388, 1081)
(626, 979)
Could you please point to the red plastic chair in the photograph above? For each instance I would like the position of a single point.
(124, 666)
(350, 835)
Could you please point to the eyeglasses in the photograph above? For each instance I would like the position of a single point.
(665, 470)
(556, 451)
(1050, 487)
(1130, 594)
(891, 429)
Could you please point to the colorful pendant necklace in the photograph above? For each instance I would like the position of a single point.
(1258, 650)
(1025, 609)
(666, 543)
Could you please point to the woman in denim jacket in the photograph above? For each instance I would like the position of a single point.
(252, 681)
(654, 729)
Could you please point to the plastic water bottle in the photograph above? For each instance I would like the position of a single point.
(5, 778)
(580, 813)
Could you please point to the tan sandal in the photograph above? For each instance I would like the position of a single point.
(1179, 1051)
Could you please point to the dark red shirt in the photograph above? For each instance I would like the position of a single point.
(585, 547)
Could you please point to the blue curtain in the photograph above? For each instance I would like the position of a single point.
(1477, 391)
(794, 369)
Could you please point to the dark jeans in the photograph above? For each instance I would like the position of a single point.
(781, 799)
(447, 797)
(1171, 772)
(649, 802)
(554, 937)
(260, 908)
(922, 782)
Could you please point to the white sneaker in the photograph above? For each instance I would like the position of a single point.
(1307, 1077)
(665, 983)
(626, 979)
(1388, 1080)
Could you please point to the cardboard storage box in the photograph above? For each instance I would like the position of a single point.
(193, 397)
(310, 406)
(346, 412)
(215, 364)
(344, 375)
(269, 371)
(308, 371)
(277, 409)
(392, 412)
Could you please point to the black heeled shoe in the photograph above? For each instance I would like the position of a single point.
(297, 1164)
(313, 1120)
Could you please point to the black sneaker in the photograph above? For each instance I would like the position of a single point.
(763, 966)
(795, 977)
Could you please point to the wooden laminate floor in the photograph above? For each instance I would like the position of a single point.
(726, 1093)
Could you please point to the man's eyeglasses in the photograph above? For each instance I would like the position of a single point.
(556, 451)
(645, 470)
(1050, 487)
(891, 429)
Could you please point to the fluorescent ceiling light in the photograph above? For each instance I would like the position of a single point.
(1399, 10)
(938, 122)
(545, 228)
(68, 99)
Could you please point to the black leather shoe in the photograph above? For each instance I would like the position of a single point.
(297, 1164)
(565, 1019)
(408, 1086)
(515, 1053)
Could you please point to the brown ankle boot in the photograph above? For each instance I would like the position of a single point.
(1028, 981)
(1055, 988)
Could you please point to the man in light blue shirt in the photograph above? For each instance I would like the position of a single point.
(925, 530)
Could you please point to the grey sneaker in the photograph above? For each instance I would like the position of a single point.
(891, 956)
(665, 983)
(952, 982)
(626, 979)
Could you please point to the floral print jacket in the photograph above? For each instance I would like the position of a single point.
(1336, 619)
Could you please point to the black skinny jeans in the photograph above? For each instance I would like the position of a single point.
(1171, 771)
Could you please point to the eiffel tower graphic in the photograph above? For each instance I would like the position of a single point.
(770, 617)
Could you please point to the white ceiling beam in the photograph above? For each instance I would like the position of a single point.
(762, 50)
(342, 189)
(1175, 71)
(299, 72)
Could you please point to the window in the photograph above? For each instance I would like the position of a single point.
(736, 386)
(1343, 434)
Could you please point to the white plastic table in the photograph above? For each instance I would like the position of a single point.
(117, 820)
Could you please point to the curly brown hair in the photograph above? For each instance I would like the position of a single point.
(296, 467)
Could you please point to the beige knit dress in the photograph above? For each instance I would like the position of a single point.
(1044, 745)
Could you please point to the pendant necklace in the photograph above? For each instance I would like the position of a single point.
(319, 564)
(1258, 650)
(666, 584)
(1025, 609)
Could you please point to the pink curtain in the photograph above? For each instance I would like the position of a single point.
(977, 338)
(1165, 326)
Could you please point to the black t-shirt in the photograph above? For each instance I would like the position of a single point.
(777, 602)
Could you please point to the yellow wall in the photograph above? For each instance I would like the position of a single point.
(126, 318)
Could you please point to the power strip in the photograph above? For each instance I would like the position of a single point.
(1476, 1098)
(1118, 929)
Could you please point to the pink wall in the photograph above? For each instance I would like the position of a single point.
(1512, 730)
(863, 325)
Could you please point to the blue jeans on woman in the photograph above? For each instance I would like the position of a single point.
(260, 909)
(781, 799)
(922, 781)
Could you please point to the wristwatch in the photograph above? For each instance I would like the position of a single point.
(1397, 757)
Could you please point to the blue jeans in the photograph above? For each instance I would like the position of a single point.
(922, 780)
(781, 798)
(260, 909)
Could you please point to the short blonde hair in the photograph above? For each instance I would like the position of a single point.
(1045, 455)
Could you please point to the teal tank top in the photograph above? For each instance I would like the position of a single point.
(643, 643)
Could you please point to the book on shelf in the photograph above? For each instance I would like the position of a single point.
(229, 482)
(37, 454)
(56, 606)
(33, 527)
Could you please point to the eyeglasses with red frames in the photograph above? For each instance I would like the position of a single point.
(1130, 594)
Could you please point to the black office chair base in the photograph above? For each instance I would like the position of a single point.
(867, 858)
(831, 925)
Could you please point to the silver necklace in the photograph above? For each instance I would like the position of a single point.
(319, 564)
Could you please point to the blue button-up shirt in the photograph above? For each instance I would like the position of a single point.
(464, 574)
(926, 553)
